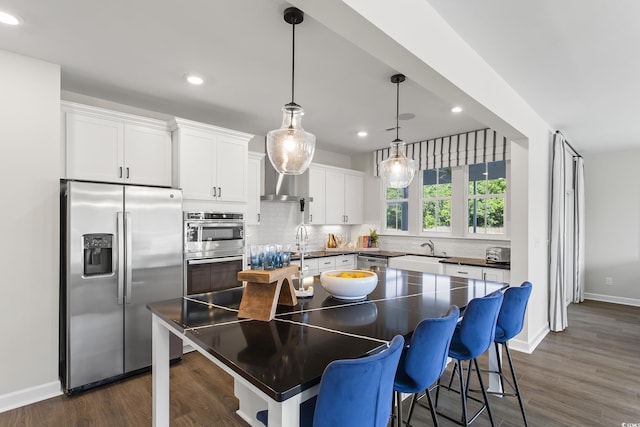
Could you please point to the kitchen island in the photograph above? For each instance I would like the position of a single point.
(277, 365)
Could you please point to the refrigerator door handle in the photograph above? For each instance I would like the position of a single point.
(120, 291)
(128, 250)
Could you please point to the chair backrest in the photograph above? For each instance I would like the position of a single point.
(358, 392)
(511, 317)
(426, 357)
(478, 326)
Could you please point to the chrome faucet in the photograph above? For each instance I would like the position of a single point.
(302, 239)
(431, 245)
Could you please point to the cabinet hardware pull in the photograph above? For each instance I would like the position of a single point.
(310, 217)
(463, 272)
(127, 172)
(219, 191)
(120, 173)
(258, 217)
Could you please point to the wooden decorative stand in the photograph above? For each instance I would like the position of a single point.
(265, 290)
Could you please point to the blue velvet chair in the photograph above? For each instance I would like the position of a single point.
(423, 361)
(472, 337)
(353, 392)
(510, 321)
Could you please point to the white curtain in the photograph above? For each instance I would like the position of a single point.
(566, 255)
(578, 258)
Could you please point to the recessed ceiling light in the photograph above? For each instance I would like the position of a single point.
(9, 19)
(456, 109)
(362, 134)
(194, 79)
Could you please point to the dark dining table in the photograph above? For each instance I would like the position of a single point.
(277, 365)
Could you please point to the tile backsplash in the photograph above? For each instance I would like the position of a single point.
(280, 221)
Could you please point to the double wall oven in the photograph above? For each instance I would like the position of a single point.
(213, 250)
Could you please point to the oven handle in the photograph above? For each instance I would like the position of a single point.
(213, 260)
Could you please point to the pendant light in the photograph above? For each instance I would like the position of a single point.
(290, 148)
(398, 170)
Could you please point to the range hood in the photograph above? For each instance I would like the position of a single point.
(284, 188)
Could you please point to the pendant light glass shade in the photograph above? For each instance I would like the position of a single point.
(290, 148)
(398, 170)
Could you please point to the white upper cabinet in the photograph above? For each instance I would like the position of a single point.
(317, 192)
(344, 196)
(254, 180)
(211, 162)
(109, 146)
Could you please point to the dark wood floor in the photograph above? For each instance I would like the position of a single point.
(588, 375)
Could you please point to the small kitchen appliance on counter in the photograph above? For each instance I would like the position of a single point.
(499, 255)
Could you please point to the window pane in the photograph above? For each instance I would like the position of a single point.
(397, 216)
(429, 216)
(444, 215)
(476, 216)
(397, 193)
(495, 215)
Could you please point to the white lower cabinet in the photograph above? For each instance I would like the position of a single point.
(473, 272)
(315, 266)
(310, 267)
(345, 262)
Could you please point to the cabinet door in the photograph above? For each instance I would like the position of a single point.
(334, 201)
(317, 191)
(326, 264)
(94, 148)
(253, 190)
(198, 279)
(147, 155)
(467, 271)
(196, 157)
(494, 274)
(353, 198)
(345, 262)
(231, 170)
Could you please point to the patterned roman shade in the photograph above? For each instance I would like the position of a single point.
(478, 146)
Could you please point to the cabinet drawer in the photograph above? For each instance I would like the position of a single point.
(326, 264)
(345, 261)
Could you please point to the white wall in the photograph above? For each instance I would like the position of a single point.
(29, 228)
(612, 216)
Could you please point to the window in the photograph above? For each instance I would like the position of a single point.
(486, 191)
(436, 200)
(397, 209)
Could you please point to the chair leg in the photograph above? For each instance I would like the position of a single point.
(414, 400)
(484, 392)
(463, 393)
(398, 408)
(432, 409)
(515, 383)
(499, 362)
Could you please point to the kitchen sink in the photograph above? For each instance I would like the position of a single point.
(422, 263)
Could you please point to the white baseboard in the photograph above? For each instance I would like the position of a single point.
(30, 395)
(529, 346)
(615, 300)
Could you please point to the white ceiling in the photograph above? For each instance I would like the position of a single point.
(575, 62)
(576, 70)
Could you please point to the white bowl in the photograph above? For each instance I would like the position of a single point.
(349, 288)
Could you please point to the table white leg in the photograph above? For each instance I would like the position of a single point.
(494, 379)
(249, 403)
(285, 414)
(160, 373)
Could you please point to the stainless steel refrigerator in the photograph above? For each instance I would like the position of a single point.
(121, 248)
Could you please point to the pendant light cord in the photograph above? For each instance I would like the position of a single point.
(293, 62)
(397, 111)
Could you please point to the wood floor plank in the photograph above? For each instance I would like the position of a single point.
(588, 375)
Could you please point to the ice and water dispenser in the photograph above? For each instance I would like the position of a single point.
(98, 253)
